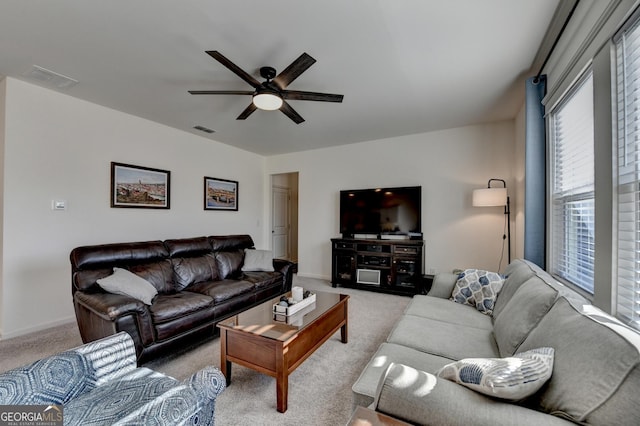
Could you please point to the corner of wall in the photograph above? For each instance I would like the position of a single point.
(518, 174)
(3, 102)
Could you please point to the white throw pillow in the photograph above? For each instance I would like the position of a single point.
(129, 284)
(477, 288)
(512, 378)
(257, 260)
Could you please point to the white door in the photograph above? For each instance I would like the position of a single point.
(280, 226)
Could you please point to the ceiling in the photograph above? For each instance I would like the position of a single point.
(403, 66)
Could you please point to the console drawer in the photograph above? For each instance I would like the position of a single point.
(406, 249)
(344, 246)
(375, 248)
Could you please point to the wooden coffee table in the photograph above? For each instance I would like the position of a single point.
(276, 346)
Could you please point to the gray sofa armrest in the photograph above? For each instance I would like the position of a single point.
(424, 399)
(110, 358)
(442, 286)
(207, 384)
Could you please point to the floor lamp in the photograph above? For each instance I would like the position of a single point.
(492, 197)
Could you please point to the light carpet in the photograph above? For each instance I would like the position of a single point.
(319, 390)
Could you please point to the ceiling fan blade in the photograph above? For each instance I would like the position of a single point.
(311, 96)
(294, 70)
(291, 113)
(233, 67)
(247, 112)
(221, 92)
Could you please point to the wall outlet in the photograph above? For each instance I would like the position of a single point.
(432, 271)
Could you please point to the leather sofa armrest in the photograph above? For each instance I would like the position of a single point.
(109, 306)
(103, 314)
(421, 398)
(286, 267)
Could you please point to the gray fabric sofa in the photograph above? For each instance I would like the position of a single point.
(596, 371)
(99, 383)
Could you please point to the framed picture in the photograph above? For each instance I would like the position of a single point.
(220, 194)
(139, 187)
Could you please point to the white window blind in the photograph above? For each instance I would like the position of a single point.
(572, 186)
(628, 175)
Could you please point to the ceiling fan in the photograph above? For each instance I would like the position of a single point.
(271, 94)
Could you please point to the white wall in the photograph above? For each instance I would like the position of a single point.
(448, 165)
(3, 92)
(59, 147)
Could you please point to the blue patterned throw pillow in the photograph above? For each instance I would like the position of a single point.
(477, 288)
(512, 378)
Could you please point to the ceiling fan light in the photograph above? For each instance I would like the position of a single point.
(267, 101)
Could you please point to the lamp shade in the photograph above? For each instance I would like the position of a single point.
(488, 197)
(267, 101)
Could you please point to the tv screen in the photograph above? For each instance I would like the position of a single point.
(381, 211)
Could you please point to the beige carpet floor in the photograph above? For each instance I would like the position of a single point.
(319, 390)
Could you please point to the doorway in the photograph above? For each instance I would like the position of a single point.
(284, 216)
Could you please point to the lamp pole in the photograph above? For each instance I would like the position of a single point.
(507, 211)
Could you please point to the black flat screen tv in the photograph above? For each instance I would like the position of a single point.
(381, 211)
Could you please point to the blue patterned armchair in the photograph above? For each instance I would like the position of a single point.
(99, 383)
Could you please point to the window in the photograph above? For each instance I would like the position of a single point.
(628, 174)
(572, 186)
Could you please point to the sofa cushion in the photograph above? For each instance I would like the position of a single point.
(263, 279)
(257, 260)
(517, 273)
(442, 285)
(53, 380)
(230, 242)
(529, 304)
(229, 263)
(128, 284)
(159, 274)
(440, 338)
(513, 378)
(223, 290)
(364, 388)
(188, 247)
(592, 361)
(191, 270)
(168, 307)
(443, 310)
(477, 288)
(108, 255)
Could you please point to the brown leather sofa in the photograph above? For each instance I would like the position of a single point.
(199, 283)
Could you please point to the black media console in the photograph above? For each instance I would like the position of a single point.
(390, 266)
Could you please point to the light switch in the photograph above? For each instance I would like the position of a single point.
(58, 205)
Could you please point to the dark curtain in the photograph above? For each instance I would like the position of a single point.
(535, 172)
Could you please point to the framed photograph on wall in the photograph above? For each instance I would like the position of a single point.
(139, 187)
(220, 194)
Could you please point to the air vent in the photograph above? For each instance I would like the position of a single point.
(50, 78)
(203, 129)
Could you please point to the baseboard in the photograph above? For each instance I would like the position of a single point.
(36, 328)
(316, 276)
